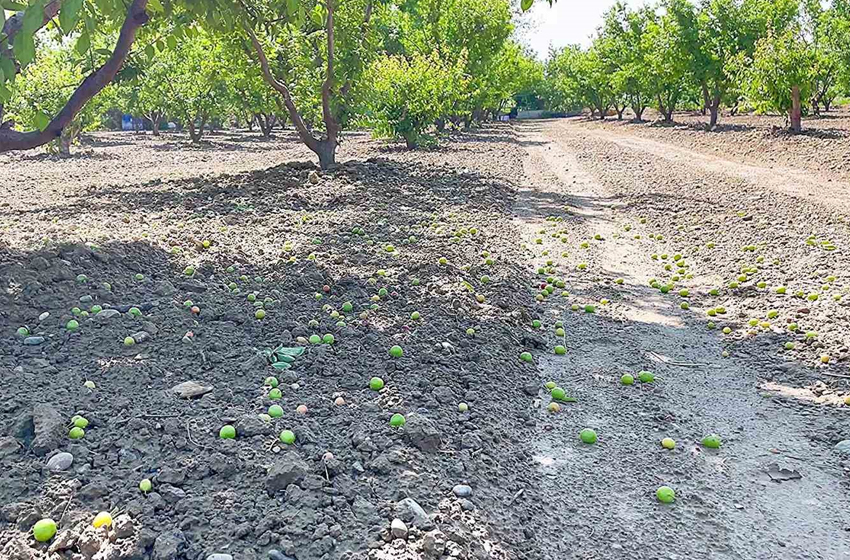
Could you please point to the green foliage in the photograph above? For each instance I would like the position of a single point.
(408, 94)
(781, 61)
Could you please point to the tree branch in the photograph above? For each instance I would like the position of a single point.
(13, 24)
(91, 86)
(281, 88)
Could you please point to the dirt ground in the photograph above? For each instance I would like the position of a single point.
(600, 208)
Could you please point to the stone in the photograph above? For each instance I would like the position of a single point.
(313, 177)
(398, 529)
(168, 545)
(60, 462)
(251, 425)
(219, 556)
(33, 340)
(164, 288)
(462, 491)
(467, 505)
(278, 555)
(49, 429)
(107, 314)
(140, 336)
(409, 510)
(190, 389)
(169, 475)
(171, 494)
(8, 446)
(289, 469)
(434, 543)
(65, 540)
(123, 526)
(40, 263)
(89, 541)
(423, 433)
(363, 509)
(842, 447)
(470, 440)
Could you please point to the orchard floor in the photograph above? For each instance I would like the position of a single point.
(607, 196)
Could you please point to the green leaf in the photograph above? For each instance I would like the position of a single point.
(24, 48)
(291, 8)
(160, 46)
(155, 6)
(316, 16)
(284, 358)
(150, 51)
(33, 18)
(171, 41)
(5, 94)
(526, 4)
(83, 43)
(41, 120)
(281, 365)
(8, 67)
(2, 18)
(13, 6)
(294, 352)
(69, 15)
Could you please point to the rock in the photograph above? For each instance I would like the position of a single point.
(278, 555)
(190, 389)
(49, 429)
(60, 462)
(33, 340)
(140, 336)
(313, 177)
(195, 286)
(842, 447)
(423, 433)
(40, 263)
(43, 317)
(89, 541)
(123, 527)
(169, 475)
(107, 314)
(251, 425)
(64, 540)
(164, 288)
(363, 509)
(409, 510)
(171, 494)
(289, 469)
(149, 328)
(470, 440)
(219, 556)
(168, 546)
(467, 505)
(434, 543)
(398, 529)
(86, 299)
(462, 491)
(8, 446)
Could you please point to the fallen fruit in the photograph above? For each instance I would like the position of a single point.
(145, 485)
(396, 352)
(397, 420)
(588, 436)
(275, 411)
(301, 409)
(668, 443)
(463, 407)
(227, 432)
(646, 377)
(72, 325)
(376, 383)
(260, 314)
(526, 357)
(102, 519)
(44, 530)
(627, 379)
(560, 350)
(711, 442)
(665, 495)
(275, 394)
(76, 433)
(287, 437)
(558, 394)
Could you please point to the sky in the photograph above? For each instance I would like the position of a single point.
(566, 22)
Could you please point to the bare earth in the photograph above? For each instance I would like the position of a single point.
(609, 204)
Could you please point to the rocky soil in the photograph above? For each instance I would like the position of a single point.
(438, 252)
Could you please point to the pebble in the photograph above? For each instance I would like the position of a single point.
(219, 556)
(843, 447)
(398, 529)
(462, 491)
(86, 299)
(60, 462)
(43, 316)
(107, 314)
(278, 555)
(34, 340)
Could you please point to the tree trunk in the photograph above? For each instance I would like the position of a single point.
(714, 109)
(705, 100)
(620, 111)
(326, 150)
(155, 118)
(251, 124)
(796, 110)
(440, 124)
(65, 141)
(195, 133)
(827, 103)
(410, 141)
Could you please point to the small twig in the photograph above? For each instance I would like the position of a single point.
(189, 435)
(68, 503)
(835, 375)
(516, 496)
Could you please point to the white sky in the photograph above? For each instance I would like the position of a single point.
(566, 22)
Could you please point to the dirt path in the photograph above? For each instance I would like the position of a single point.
(599, 500)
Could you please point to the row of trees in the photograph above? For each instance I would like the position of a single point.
(323, 66)
(787, 56)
